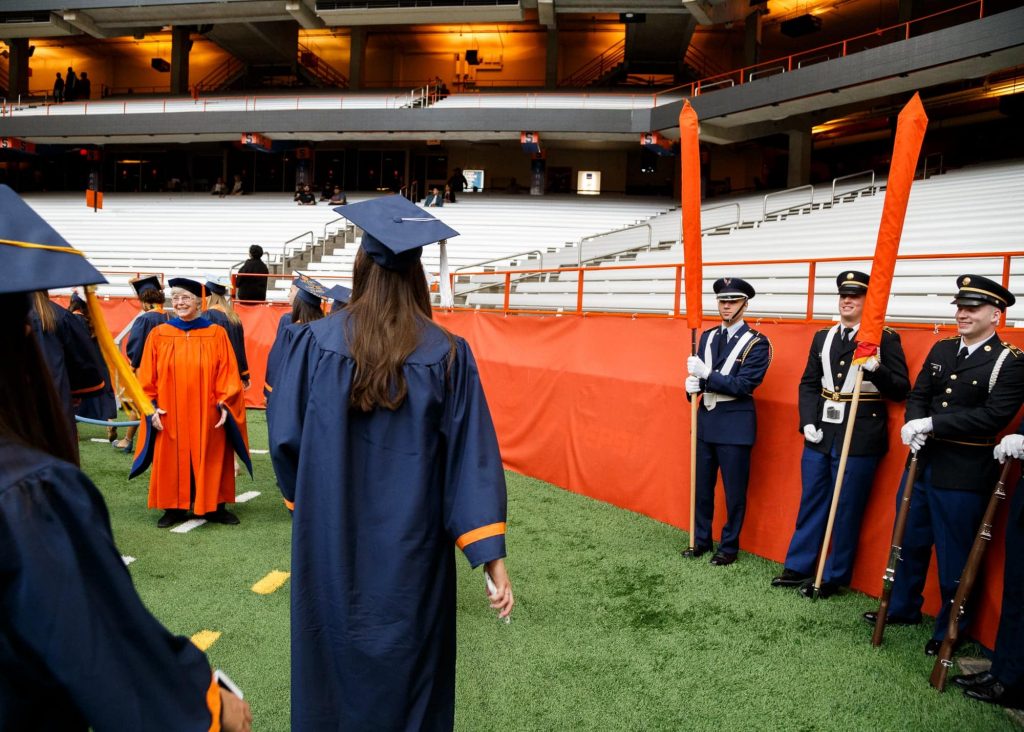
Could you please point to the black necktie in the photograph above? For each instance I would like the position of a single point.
(962, 355)
(847, 333)
(723, 339)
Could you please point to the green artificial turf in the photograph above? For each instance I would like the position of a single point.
(612, 629)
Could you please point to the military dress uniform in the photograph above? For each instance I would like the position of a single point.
(727, 423)
(825, 393)
(970, 397)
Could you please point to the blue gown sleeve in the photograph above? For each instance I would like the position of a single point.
(81, 357)
(237, 334)
(137, 337)
(75, 622)
(293, 376)
(474, 486)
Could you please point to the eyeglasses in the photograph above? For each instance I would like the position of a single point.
(183, 298)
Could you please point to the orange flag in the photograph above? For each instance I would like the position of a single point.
(910, 128)
(689, 153)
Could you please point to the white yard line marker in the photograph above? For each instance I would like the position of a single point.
(259, 452)
(100, 440)
(188, 526)
(247, 496)
(127, 560)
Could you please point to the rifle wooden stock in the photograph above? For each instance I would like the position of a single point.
(895, 552)
(943, 661)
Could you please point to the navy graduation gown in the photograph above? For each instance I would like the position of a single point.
(78, 649)
(380, 500)
(236, 334)
(141, 327)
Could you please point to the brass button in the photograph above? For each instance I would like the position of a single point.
(948, 390)
(945, 404)
(974, 383)
(842, 363)
(953, 377)
(839, 375)
(988, 348)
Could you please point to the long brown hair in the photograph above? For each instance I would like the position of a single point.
(387, 311)
(44, 309)
(219, 302)
(31, 413)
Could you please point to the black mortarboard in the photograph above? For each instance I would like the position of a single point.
(978, 290)
(395, 230)
(32, 255)
(141, 284)
(309, 289)
(216, 288)
(852, 282)
(732, 288)
(76, 303)
(193, 286)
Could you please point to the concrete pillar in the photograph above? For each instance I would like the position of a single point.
(357, 56)
(800, 144)
(752, 39)
(551, 60)
(18, 70)
(181, 45)
(906, 10)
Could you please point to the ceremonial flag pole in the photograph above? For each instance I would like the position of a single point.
(910, 129)
(689, 153)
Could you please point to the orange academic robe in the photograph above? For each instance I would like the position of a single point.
(188, 369)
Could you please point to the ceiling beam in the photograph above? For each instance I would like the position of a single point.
(546, 13)
(304, 15)
(86, 24)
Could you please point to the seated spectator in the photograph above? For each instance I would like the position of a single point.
(449, 197)
(338, 197)
(325, 194)
(236, 188)
(252, 289)
(305, 197)
(219, 189)
(434, 199)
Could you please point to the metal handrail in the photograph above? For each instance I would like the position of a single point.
(869, 186)
(734, 204)
(770, 71)
(579, 253)
(284, 247)
(333, 221)
(924, 164)
(634, 248)
(538, 252)
(765, 213)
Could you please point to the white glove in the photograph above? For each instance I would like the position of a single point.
(915, 432)
(871, 364)
(813, 434)
(692, 385)
(1011, 446)
(697, 368)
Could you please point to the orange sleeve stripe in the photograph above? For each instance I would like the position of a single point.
(268, 387)
(484, 532)
(89, 389)
(289, 504)
(213, 704)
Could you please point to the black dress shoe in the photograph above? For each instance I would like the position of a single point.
(997, 693)
(722, 559)
(171, 517)
(222, 516)
(696, 552)
(789, 578)
(826, 590)
(931, 648)
(971, 681)
(871, 617)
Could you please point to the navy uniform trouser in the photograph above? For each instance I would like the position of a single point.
(947, 519)
(1008, 662)
(734, 462)
(818, 473)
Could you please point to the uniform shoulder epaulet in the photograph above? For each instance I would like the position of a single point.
(1016, 352)
(951, 338)
(758, 336)
(887, 329)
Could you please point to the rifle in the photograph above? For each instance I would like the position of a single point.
(943, 661)
(895, 552)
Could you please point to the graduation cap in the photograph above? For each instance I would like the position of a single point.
(212, 285)
(340, 294)
(309, 289)
(141, 284)
(395, 230)
(32, 255)
(732, 288)
(193, 286)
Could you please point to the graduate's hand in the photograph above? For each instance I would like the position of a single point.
(157, 424)
(223, 416)
(235, 714)
(246, 384)
(502, 599)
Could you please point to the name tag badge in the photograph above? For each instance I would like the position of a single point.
(833, 412)
(936, 368)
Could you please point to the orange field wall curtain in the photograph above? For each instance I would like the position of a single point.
(596, 405)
